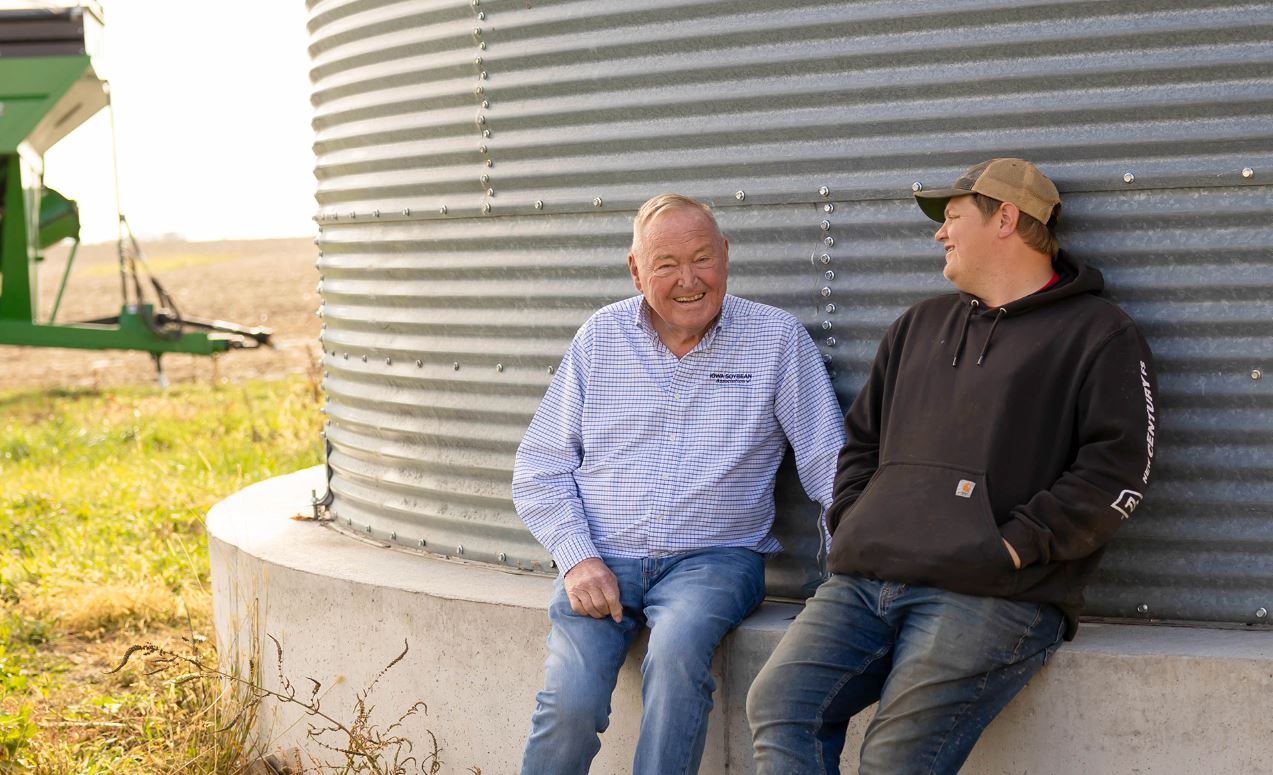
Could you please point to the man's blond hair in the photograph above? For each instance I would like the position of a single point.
(656, 206)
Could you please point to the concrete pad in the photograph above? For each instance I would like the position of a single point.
(1120, 699)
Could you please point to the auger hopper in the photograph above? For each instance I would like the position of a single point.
(48, 87)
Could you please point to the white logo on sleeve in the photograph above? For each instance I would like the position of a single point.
(1126, 502)
(964, 488)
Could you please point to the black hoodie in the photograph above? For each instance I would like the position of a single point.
(1034, 422)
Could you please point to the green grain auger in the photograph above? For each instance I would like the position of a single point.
(48, 87)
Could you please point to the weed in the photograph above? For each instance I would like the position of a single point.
(359, 746)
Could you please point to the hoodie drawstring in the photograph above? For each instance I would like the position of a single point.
(963, 331)
(985, 347)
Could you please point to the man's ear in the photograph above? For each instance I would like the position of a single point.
(636, 277)
(1009, 215)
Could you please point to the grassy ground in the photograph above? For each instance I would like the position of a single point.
(102, 500)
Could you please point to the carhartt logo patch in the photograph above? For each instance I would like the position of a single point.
(964, 488)
(1126, 502)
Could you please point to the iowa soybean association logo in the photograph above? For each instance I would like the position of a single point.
(728, 377)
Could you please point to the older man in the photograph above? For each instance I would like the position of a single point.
(648, 474)
(1004, 434)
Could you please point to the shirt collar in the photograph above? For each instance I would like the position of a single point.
(641, 319)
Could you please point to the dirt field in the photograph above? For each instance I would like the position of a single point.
(252, 282)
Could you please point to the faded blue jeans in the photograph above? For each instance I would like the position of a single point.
(689, 601)
(941, 664)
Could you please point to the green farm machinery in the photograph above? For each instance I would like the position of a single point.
(48, 87)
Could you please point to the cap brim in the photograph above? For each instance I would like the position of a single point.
(933, 203)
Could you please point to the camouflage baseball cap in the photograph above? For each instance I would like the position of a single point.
(1008, 180)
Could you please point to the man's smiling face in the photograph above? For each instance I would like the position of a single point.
(968, 238)
(681, 268)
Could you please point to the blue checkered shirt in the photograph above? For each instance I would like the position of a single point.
(636, 453)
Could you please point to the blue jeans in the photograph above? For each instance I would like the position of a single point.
(689, 601)
(941, 665)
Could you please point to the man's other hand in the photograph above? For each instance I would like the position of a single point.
(1016, 558)
(593, 590)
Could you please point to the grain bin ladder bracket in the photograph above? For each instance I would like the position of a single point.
(47, 88)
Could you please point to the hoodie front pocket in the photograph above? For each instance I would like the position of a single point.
(925, 523)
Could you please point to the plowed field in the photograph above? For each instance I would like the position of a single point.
(251, 282)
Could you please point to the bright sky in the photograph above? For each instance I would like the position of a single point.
(212, 119)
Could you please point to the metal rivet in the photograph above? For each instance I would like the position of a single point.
(539, 204)
(485, 179)
(830, 275)
(419, 364)
(481, 119)
(1260, 613)
(486, 133)
(826, 225)
(406, 211)
(830, 308)
(596, 202)
(353, 214)
(826, 292)
(828, 208)
(482, 45)
(552, 369)
(368, 528)
(502, 557)
(477, 61)
(459, 550)
(828, 241)
(388, 361)
(1256, 374)
(442, 209)
(826, 359)
(1129, 177)
(349, 522)
(825, 258)
(490, 192)
(375, 213)
(482, 149)
(423, 542)
(490, 162)
(830, 341)
(917, 186)
(499, 367)
(456, 365)
(346, 356)
(481, 16)
(478, 90)
(826, 325)
(1246, 173)
(364, 359)
(824, 191)
(482, 75)
(393, 536)
(1142, 608)
(486, 208)
(477, 31)
(740, 195)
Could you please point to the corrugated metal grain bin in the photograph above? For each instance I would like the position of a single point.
(479, 164)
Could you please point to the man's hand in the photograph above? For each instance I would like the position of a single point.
(1016, 558)
(593, 590)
